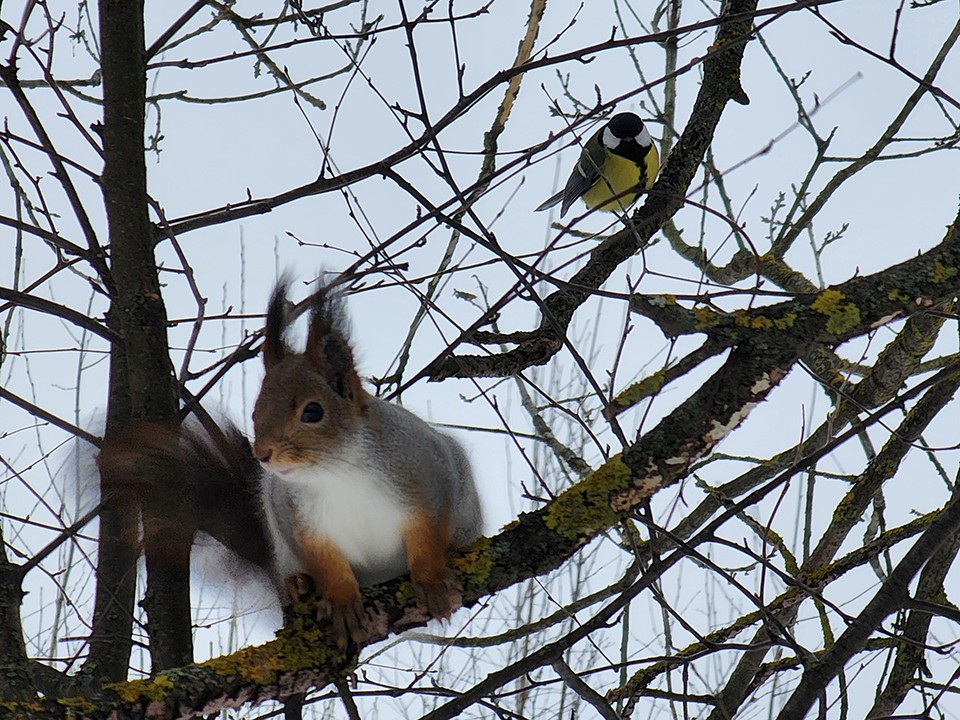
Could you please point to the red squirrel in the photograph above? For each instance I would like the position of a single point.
(352, 490)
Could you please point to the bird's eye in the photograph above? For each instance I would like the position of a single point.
(312, 413)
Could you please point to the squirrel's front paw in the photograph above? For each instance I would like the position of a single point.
(349, 619)
(345, 611)
(439, 596)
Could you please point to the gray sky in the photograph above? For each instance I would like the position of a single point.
(214, 154)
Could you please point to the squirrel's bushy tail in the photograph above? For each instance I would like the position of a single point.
(213, 470)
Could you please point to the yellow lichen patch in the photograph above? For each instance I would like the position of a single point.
(263, 664)
(80, 706)
(584, 509)
(152, 689)
(406, 593)
(647, 387)
(756, 322)
(474, 563)
(231, 665)
(741, 319)
(260, 664)
(942, 273)
(706, 318)
(898, 296)
(786, 322)
(841, 315)
(128, 691)
(744, 319)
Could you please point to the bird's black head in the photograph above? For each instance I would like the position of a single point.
(625, 135)
(625, 125)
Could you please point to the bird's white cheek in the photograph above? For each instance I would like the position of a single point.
(610, 141)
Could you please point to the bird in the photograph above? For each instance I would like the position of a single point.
(617, 164)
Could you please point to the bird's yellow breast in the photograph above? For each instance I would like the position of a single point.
(610, 192)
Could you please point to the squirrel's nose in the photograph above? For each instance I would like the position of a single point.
(262, 453)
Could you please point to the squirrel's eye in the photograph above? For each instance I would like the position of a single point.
(312, 413)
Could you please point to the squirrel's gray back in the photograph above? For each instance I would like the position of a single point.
(430, 465)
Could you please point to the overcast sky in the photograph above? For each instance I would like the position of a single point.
(214, 154)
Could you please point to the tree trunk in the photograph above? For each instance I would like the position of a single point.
(142, 377)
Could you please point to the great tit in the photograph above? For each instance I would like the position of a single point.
(618, 163)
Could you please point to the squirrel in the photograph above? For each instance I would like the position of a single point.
(345, 489)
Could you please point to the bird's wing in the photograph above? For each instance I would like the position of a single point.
(550, 202)
(584, 175)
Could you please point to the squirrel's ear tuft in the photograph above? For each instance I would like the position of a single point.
(328, 348)
(274, 347)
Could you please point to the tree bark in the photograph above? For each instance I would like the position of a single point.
(142, 380)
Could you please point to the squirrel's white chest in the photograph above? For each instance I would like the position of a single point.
(355, 511)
